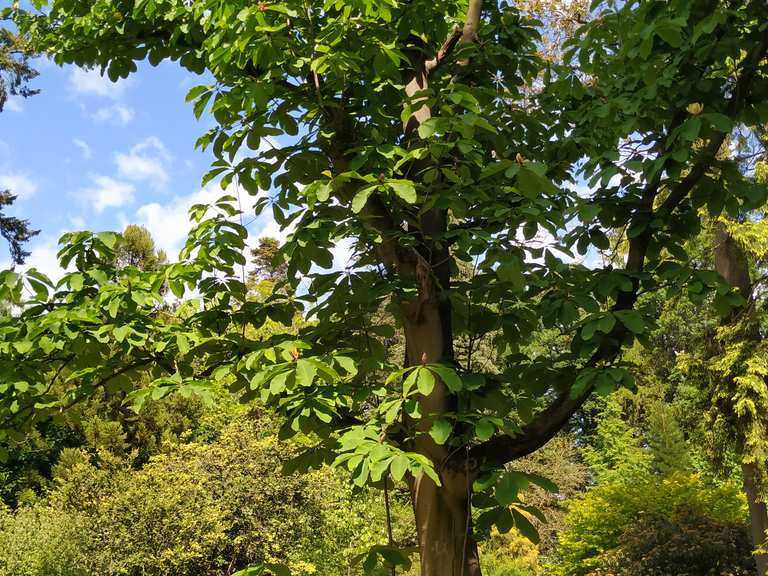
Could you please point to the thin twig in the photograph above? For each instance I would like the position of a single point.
(389, 519)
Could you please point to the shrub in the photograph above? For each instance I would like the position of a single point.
(509, 554)
(42, 541)
(597, 521)
(689, 544)
(200, 509)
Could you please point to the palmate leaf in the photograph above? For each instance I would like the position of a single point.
(385, 555)
(265, 570)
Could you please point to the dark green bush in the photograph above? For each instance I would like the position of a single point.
(599, 520)
(688, 544)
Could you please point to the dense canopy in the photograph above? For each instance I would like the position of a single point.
(513, 214)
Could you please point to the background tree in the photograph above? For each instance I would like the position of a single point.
(15, 70)
(16, 231)
(15, 73)
(137, 248)
(264, 257)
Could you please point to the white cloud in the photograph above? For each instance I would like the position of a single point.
(169, 223)
(84, 148)
(77, 221)
(84, 82)
(116, 114)
(13, 104)
(92, 83)
(145, 161)
(43, 258)
(107, 193)
(18, 184)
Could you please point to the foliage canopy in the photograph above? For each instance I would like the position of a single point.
(434, 138)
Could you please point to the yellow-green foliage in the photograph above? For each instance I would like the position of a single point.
(42, 540)
(597, 520)
(198, 509)
(740, 396)
(510, 554)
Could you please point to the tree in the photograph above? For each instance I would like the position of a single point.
(739, 399)
(15, 73)
(427, 135)
(137, 248)
(264, 267)
(15, 230)
(619, 519)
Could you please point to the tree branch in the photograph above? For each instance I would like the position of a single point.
(472, 23)
(749, 69)
(499, 450)
(445, 50)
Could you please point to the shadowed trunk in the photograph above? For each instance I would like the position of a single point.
(732, 264)
(443, 524)
(758, 516)
(442, 513)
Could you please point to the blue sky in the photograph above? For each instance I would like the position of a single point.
(87, 153)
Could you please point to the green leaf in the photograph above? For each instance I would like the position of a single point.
(182, 342)
(718, 121)
(409, 382)
(120, 332)
(448, 376)
(532, 185)
(399, 466)
(510, 270)
(504, 521)
(404, 189)
(599, 238)
(305, 372)
(441, 430)
(690, 129)
(361, 198)
(543, 482)
(427, 128)
(21, 386)
(23, 346)
(76, 281)
(632, 320)
(347, 363)
(108, 238)
(509, 486)
(606, 323)
(588, 330)
(324, 191)
(670, 33)
(197, 91)
(425, 381)
(484, 429)
(525, 527)
(495, 168)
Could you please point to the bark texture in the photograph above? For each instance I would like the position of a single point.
(758, 516)
(732, 264)
(443, 522)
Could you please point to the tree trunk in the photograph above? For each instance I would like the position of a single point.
(442, 513)
(444, 527)
(758, 516)
(732, 264)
